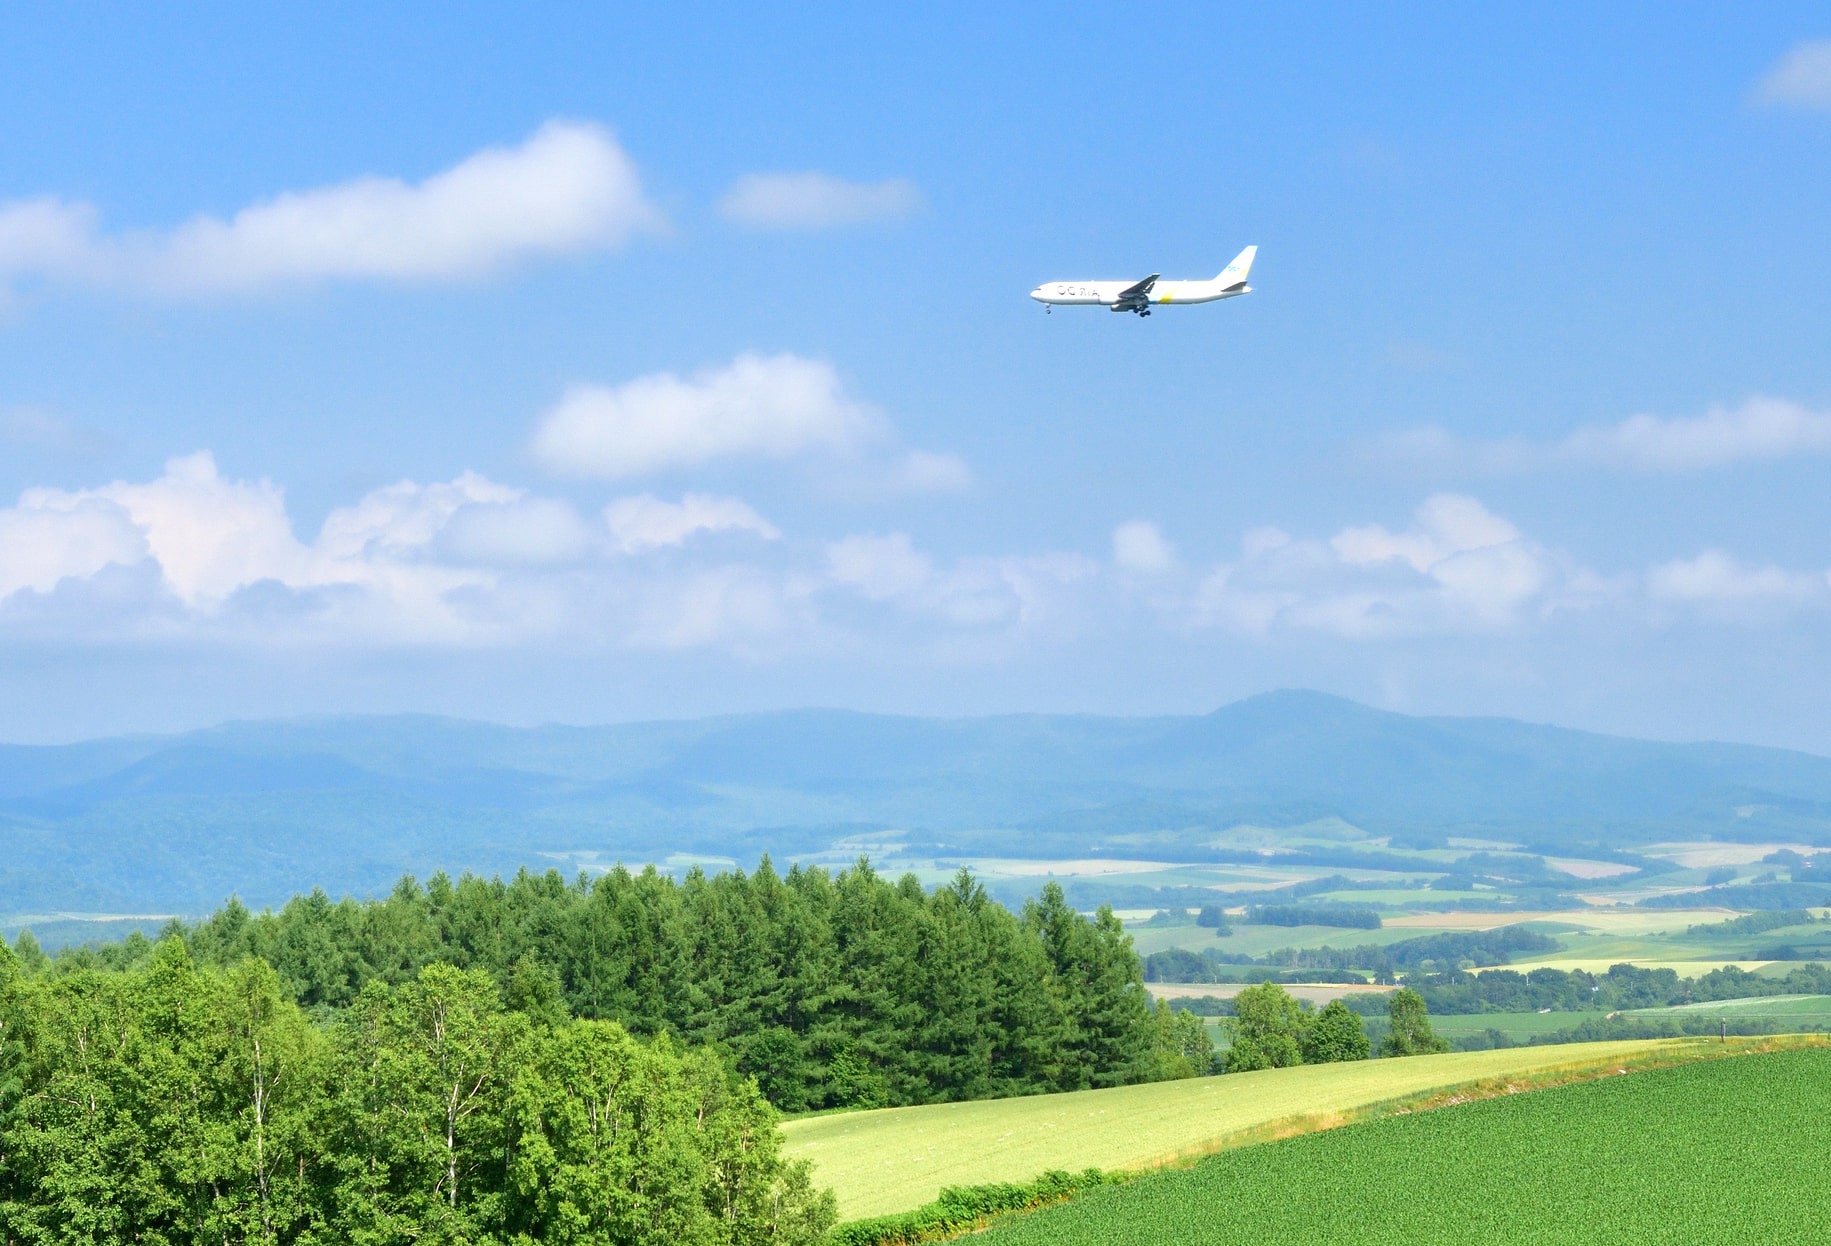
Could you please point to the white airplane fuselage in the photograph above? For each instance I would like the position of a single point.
(1140, 296)
(1106, 293)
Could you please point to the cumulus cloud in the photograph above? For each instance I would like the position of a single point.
(568, 188)
(1456, 568)
(1801, 78)
(1761, 429)
(646, 522)
(1140, 546)
(191, 554)
(816, 201)
(772, 407)
(775, 406)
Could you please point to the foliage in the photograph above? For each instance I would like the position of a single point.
(1617, 1159)
(1427, 953)
(1345, 916)
(1755, 895)
(1334, 1034)
(1267, 1028)
(1410, 1034)
(1622, 987)
(176, 1105)
(961, 1209)
(1214, 916)
(831, 990)
(1184, 1046)
(1755, 923)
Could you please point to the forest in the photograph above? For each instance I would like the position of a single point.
(171, 1104)
(830, 989)
(537, 1059)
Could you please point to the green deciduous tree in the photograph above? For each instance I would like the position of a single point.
(1411, 1034)
(1335, 1033)
(1267, 1026)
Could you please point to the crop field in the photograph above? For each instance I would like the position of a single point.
(1799, 1009)
(1709, 1152)
(894, 1159)
(1515, 1025)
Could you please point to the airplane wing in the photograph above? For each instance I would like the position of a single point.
(1135, 294)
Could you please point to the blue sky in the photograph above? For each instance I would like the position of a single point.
(584, 366)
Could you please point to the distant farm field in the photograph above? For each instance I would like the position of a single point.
(1708, 1152)
(894, 1159)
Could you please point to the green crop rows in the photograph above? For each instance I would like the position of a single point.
(1723, 1151)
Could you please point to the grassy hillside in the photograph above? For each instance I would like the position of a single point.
(899, 1158)
(1709, 1152)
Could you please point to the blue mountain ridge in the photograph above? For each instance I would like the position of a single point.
(265, 809)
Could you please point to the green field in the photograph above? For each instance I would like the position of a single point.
(1710, 1152)
(1800, 1009)
(894, 1159)
(1519, 1026)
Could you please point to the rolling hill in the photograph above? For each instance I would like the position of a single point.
(267, 808)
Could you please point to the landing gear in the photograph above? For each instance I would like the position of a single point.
(1142, 311)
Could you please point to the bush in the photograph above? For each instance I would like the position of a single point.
(961, 1209)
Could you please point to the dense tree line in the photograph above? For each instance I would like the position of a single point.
(1427, 952)
(176, 1105)
(830, 990)
(1623, 987)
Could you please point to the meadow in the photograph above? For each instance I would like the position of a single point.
(1675, 1156)
(895, 1159)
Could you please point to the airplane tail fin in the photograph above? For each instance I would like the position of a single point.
(1235, 273)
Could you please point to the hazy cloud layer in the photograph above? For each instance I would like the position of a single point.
(1801, 78)
(816, 201)
(568, 188)
(1760, 429)
(192, 555)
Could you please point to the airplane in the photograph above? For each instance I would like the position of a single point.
(1138, 296)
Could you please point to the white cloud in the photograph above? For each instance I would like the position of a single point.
(775, 407)
(209, 536)
(1140, 546)
(526, 531)
(642, 523)
(1457, 568)
(979, 592)
(1444, 525)
(1761, 429)
(49, 538)
(816, 201)
(1713, 579)
(403, 520)
(568, 188)
(1801, 78)
(880, 568)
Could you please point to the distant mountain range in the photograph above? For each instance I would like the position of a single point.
(264, 809)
